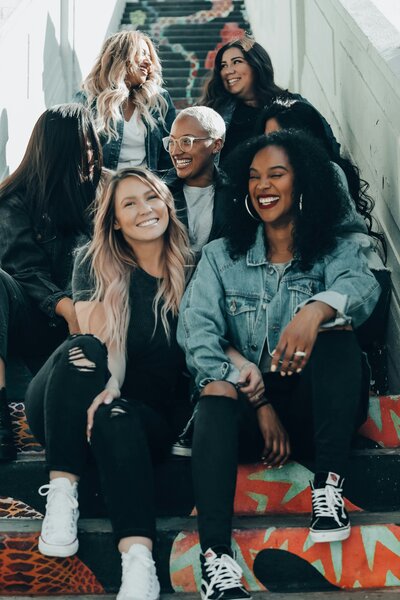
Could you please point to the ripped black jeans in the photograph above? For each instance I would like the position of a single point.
(125, 442)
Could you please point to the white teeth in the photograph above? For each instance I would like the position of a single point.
(147, 223)
(268, 200)
(233, 81)
(182, 162)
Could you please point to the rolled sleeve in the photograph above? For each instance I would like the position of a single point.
(202, 325)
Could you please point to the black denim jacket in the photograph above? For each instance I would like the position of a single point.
(39, 258)
(222, 199)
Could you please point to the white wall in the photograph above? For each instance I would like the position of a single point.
(344, 56)
(46, 46)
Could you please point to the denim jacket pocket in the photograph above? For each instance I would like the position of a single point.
(302, 288)
(241, 317)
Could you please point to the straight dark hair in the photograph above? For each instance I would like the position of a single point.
(265, 88)
(60, 170)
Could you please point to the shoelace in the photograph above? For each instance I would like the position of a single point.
(140, 585)
(224, 573)
(326, 500)
(57, 509)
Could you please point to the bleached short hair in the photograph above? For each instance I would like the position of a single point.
(208, 118)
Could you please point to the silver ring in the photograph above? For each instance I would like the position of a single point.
(300, 353)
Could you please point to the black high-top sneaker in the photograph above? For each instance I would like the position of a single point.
(183, 445)
(330, 521)
(221, 576)
(7, 448)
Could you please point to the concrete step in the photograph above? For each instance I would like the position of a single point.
(275, 553)
(382, 594)
(373, 484)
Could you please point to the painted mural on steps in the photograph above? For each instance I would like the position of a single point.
(229, 14)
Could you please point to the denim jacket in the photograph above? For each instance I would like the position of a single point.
(242, 302)
(39, 258)
(156, 156)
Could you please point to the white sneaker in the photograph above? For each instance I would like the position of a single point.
(139, 577)
(60, 524)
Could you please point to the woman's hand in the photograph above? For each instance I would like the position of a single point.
(65, 308)
(298, 338)
(276, 440)
(105, 397)
(251, 382)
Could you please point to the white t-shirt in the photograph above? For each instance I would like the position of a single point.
(200, 207)
(133, 149)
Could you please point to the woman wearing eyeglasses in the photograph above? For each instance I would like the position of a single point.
(199, 188)
(133, 112)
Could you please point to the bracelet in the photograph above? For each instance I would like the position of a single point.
(262, 402)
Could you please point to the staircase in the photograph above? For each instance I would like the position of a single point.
(187, 35)
(271, 505)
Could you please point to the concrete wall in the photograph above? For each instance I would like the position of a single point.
(344, 56)
(46, 46)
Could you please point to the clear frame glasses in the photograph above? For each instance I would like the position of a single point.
(185, 143)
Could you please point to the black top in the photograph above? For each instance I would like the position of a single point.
(154, 364)
(241, 128)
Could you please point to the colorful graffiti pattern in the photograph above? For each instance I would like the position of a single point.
(383, 423)
(369, 558)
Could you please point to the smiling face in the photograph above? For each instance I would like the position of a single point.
(195, 165)
(139, 66)
(140, 214)
(271, 184)
(237, 75)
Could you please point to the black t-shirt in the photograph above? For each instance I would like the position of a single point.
(241, 128)
(154, 364)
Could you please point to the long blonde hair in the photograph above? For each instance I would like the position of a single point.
(105, 86)
(113, 260)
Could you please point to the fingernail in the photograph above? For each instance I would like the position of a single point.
(290, 373)
(108, 400)
(299, 370)
(88, 439)
(283, 373)
(273, 352)
(269, 467)
(280, 467)
(273, 368)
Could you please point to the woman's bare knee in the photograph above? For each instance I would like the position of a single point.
(220, 388)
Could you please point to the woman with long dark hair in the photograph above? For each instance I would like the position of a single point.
(358, 224)
(44, 215)
(286, 295)
(131, 109)
(240, 86)
(112, 392)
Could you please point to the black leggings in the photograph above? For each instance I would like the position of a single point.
(124, 444)
(25, 331)
(320, 410)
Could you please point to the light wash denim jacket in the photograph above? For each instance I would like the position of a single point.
(242, 302)
(156, 155)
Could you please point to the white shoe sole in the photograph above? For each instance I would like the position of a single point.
(58, 550)
(330, 536)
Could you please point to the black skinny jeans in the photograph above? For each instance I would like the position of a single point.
(24, 329)
(320, 410)
(124, 446)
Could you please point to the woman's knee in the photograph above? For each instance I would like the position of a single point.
(220, 388)
(85, 353)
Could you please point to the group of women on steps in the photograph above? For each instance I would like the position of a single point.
(233, 240)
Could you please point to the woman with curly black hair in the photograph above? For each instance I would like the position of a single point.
(286, 295)
(286, 113)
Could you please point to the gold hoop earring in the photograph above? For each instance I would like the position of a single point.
(248, 209)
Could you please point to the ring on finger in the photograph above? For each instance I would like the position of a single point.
(300, 353)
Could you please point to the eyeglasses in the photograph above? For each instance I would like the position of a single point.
(185, 143)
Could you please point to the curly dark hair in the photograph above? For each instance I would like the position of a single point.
(215, 95)
(324, 202)
(296, 114)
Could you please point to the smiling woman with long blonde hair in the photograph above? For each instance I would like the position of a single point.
(114, 390)
(132, 110)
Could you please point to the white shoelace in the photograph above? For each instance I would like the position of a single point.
(325, 502)
(138, 575)
(224, 573)
(56, 515)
